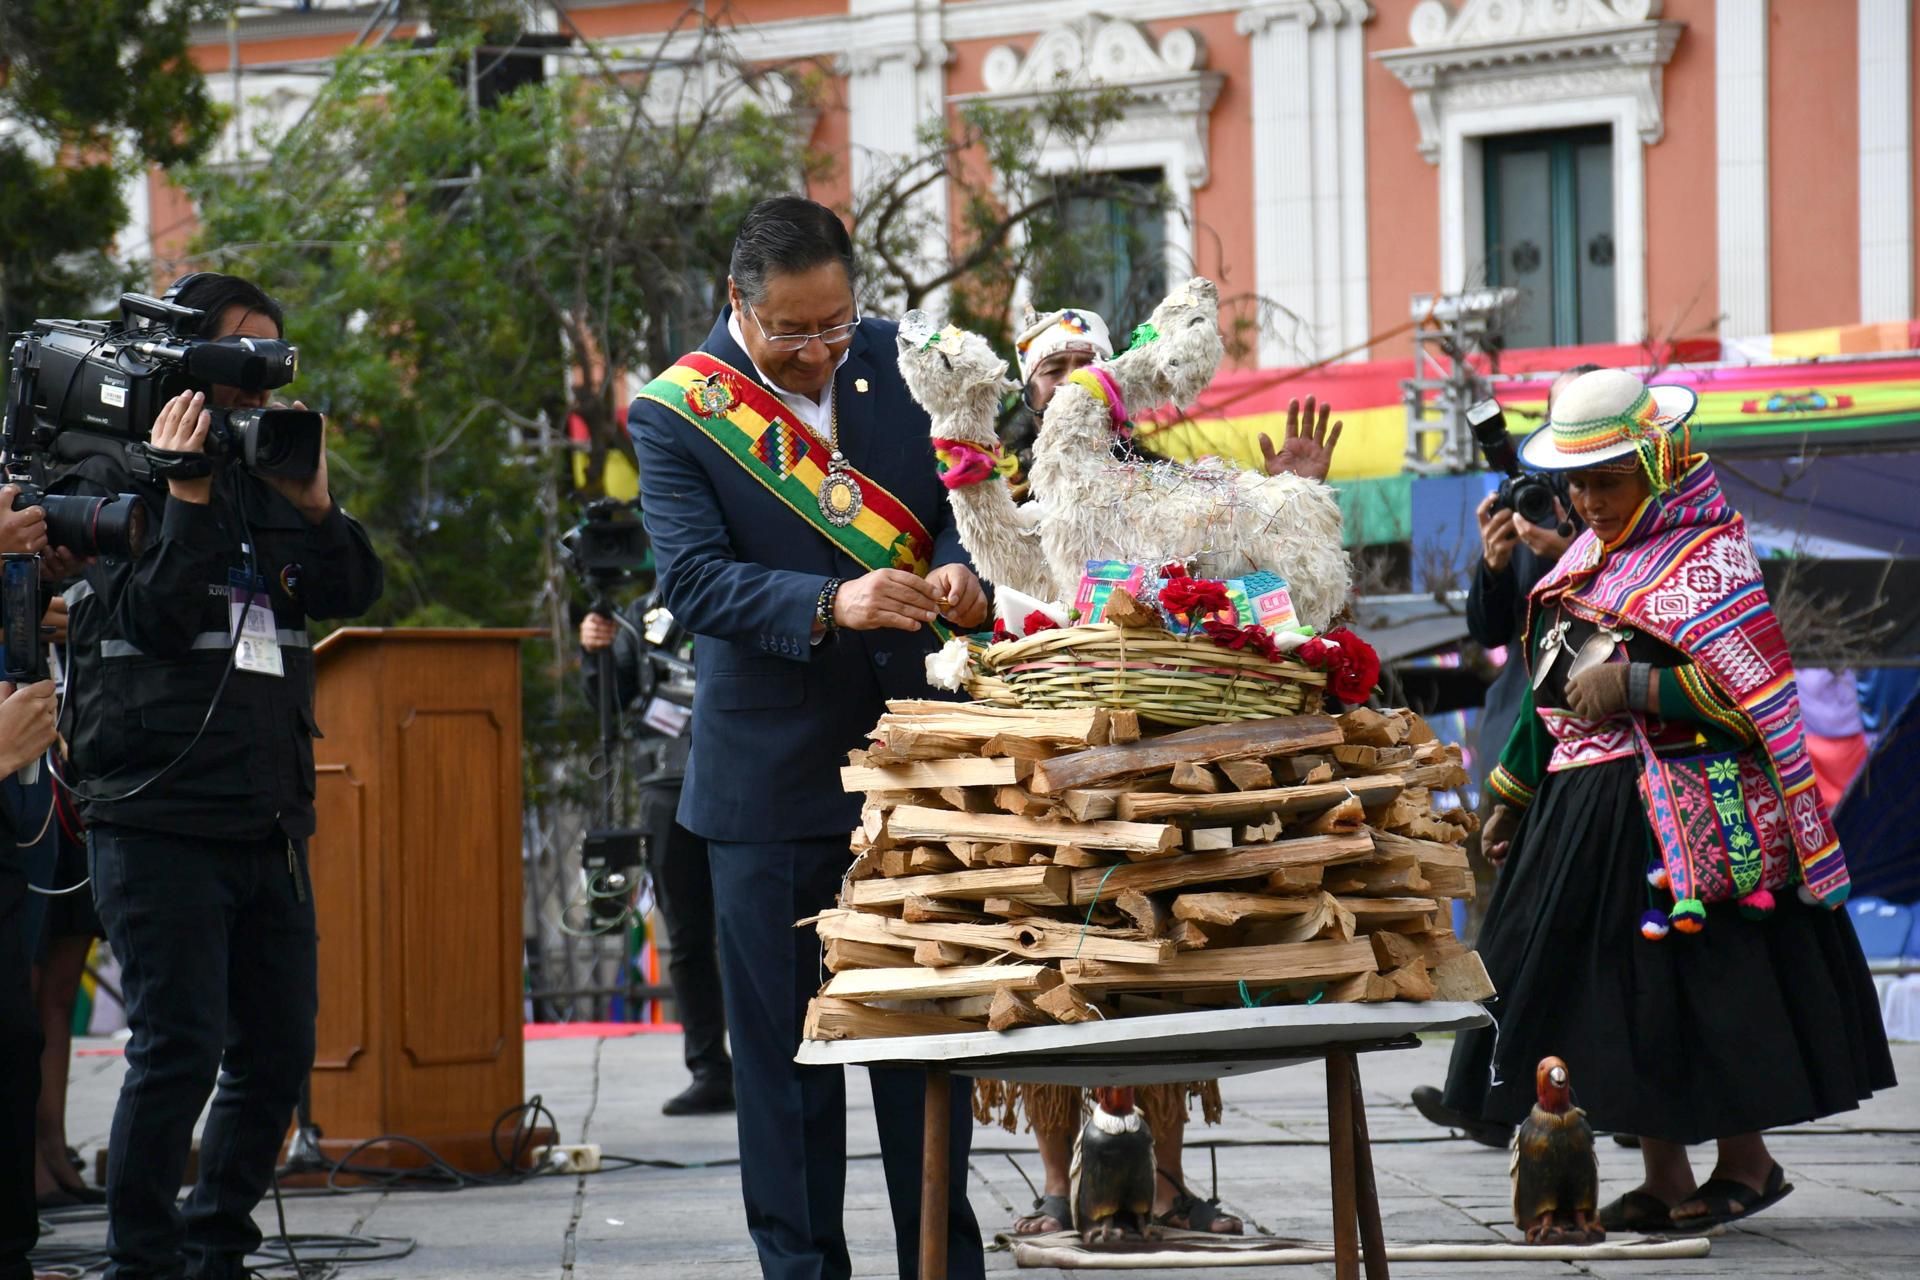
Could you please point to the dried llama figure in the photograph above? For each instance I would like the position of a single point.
(1089, 506)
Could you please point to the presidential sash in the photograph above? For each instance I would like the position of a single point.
(759, 433)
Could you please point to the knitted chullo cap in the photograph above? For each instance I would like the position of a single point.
(1611, 417)
(1069, 329)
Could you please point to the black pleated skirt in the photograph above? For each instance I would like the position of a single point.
(1746, 1025)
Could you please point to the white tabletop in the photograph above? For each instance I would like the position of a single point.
(1160, 1048)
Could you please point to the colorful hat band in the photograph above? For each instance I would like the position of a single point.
(1658, 451)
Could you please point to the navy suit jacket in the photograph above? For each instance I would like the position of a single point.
(774, 715)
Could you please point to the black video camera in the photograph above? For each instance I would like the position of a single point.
(86, 387)
(607, 548)
(1531, 495)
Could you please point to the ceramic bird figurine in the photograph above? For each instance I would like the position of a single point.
(1556, 1175)
(1114, 1170)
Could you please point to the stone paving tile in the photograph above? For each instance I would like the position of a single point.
(1855, 1213)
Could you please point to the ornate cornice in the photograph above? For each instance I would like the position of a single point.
(1515, 52)
(1255, 19)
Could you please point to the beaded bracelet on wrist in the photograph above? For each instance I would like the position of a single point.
(823, 608)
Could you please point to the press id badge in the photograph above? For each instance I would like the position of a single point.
(250, 615)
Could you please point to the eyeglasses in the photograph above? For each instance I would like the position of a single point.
(834, 336)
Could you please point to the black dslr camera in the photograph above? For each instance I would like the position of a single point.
(86, 387)
(1528, 494)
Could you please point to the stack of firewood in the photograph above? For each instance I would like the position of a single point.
(1019, 868)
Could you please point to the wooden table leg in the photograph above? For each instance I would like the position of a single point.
(1346, 1243)
(1372, 1245)
(934, 1183)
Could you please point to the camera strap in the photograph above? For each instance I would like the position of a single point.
(176, 464)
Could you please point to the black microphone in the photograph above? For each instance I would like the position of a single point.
(252, 364)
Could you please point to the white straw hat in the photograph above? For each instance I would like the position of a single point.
(1605, 416)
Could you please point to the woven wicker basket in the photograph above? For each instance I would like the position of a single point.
(1163, 677)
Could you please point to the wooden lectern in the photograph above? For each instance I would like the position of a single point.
(417, 885)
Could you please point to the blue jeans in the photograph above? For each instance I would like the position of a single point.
(793, 1119)
(216, 944)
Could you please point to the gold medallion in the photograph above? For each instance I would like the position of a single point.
(840, 496)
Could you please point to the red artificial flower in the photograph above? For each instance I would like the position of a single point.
(1191, 597)
(1356, 670)
(1173, 569)
(1252, 639)
(1038, 621)
(1000, 631)
(1313, 652)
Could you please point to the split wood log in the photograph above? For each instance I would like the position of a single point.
(1411, 981)
(1322, 772)
(1197, 778)
(1386, 875)
(1463, 977)
(1368, 727)
(1019, 747)
(1325, 919)
(843, 954)
(1125, 611)
(1296, 879)
(1090, 804)
(1072, 856)
(1011, 1009)
(831, 1019)
(1212, 810)
(1238, 908)
(932, 984)
(1356, 756)
(1137, 840)
(1197, 935)
(1068, 1005)
(1253, 965)
(1244, 863)
(1210, 839)
(1150, 916)
(1288, 770)
(1418, 730)
(1440, 777)
(866, 866)
(1046, 886)
(1248, 775)
(979, 723)
(1348, 815)
(921, 859)
(1262, 832)
(1015, 909)
(969, 771)
(1204, 744)
(1028, 939)
(944, 955)
(968, 799)
(1021, 802)
(935, 911)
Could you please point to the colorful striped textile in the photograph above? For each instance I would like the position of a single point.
(1684, 571)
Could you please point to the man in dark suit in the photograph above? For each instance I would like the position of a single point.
(758, 455)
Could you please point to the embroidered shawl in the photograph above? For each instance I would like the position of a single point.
(1684, 571)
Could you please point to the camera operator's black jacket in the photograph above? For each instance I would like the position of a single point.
(634, 680)
(151, 638)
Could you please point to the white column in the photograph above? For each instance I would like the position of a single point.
(1309, 172)
(896, 80)
(1740, 102)
(1886, 160)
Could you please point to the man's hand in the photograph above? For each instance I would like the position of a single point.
(886, 598)
(1544, 540)
(58, 564)
(596, 632)
(966, 601)
(23, 530)
(310, 495)
(56, 619)
(182, 427)
(26, 724)
(1496, 838)
(1497, 534)
(1307, 450)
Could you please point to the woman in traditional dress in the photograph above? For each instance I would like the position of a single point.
(1668, 925)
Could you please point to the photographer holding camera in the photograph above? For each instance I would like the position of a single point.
(191, 724)
(1515, 553)
(649, 650)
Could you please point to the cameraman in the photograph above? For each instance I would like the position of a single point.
(191, 724)
(677, 858)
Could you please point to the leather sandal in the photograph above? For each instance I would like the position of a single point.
(1054, 1209)
(1638, 1211)
(1729, 1200)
